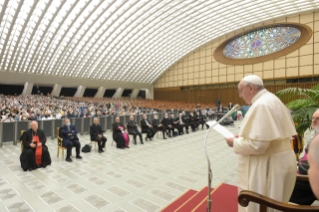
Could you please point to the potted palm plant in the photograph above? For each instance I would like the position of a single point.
(303, 103)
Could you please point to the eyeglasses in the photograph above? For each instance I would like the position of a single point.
(315, 119)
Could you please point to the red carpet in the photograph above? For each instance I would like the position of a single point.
(224, 199)
(193, 201)
(179, 201)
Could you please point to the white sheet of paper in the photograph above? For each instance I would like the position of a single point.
(220, 129)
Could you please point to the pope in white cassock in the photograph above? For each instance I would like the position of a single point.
(266, 162)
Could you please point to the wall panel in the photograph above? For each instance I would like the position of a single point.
(226, 95)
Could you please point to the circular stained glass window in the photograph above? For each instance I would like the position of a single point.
(261, 42)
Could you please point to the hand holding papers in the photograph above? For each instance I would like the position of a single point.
(220, 129)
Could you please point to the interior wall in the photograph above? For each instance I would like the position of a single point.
(226, 95)
(199, 67)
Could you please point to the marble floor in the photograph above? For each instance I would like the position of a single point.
(143, 178)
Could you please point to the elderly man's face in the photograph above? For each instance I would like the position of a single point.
(245, 92)
(34, 126)
(117, 119)
(313, 173)
(132, 118)
(315, 120)
(95, 121)
(66, 122)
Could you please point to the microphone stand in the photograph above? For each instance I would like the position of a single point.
(210, 173)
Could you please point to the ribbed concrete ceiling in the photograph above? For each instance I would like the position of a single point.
(121, 40)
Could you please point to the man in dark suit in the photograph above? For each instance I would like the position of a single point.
(192, 121)
(147, 128)
(70, 139)
(158, 126)
(174, 122)
(97, 134)
(203, 120)
(167, 124)
(132, 129)
(181, 124)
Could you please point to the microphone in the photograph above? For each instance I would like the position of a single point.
(235, 108)
(210, 172)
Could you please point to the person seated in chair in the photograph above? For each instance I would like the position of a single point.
(35, 153)
(147, 128)
(132, 129)
(192, 121)
(97, 134)
(119, 134)
(174, 122)
(69, 133)
(313, 160)
(203, 120)
(167, 124)
(181, 124)
(158, 126)
(302, 193)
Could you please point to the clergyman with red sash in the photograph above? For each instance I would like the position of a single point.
(35, 153)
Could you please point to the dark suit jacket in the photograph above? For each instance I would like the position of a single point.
(64, 131)
(95, 131)
(132, 128)
(166, 122)
(155, 123)
(144, 126)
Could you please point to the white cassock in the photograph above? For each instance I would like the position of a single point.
(266, 162)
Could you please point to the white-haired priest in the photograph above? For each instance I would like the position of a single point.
(266, 162)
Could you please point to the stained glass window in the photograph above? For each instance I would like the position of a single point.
(261, 42)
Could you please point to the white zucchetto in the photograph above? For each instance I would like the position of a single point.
(253, 79)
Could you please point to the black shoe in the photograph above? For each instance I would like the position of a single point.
(68, 159)
(150, 139)
(142, 142)
(127, 147)
(135, 143)
(78, 157)
(101, 151)
(164, 138)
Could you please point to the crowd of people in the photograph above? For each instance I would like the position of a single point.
(39, 107)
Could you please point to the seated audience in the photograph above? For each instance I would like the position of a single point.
(119, 135)
(69, 133)
(174, 123)
(132, 129)
(158, 126)
(203, 120)
(181, 124)
(7, 118)
(192, 121)
(147, 128)
(96, 134)
(167, 124)
(35, 153)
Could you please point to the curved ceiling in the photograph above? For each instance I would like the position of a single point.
(121, 40)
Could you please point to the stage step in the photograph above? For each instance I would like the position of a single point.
(224, 199)
(192, 202)
(179, 201)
